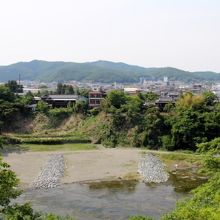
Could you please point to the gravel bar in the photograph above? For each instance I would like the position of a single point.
(152, 169)
(51, 173)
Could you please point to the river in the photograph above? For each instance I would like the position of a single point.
(112, 200)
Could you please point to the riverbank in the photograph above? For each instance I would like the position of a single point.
(92, 165)
(86, 165)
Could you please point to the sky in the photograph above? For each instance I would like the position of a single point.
(151, 33)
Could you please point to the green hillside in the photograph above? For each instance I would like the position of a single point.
(99, 71)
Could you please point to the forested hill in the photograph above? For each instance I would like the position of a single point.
(99, 71)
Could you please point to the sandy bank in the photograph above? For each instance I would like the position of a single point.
(80, 165)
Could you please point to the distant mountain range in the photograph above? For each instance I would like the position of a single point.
(99, 71)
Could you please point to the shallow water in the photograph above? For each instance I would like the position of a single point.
(114, 200)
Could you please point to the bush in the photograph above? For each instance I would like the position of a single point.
(213, 146)
(42, 107)
(8, 185)
(135, 137)
(53, 140)
(203, 205)
(94, 111)
(57, 115)
(167, 142)
(60, 113)
(212, 163)
(10, 140)
(26, 212)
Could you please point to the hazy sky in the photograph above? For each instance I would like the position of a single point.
(179, 33)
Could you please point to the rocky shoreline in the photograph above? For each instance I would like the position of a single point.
(152, 169)
(51, 173)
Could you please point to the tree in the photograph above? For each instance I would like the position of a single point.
(133, 110)
(188, 129)
(153, 128)
(10, 105)
(64, 89)
(196, 119)
(189, 100)
(149, 96)
(6, 94)
(210, 98)
(8, 184)
(27, 99)
(59, 88)
(81, 107)
(14, 86)
(116, 98)
(42, 107)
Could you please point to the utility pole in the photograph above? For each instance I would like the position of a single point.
(19, 79)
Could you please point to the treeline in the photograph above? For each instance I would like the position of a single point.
(193, 120)
(11, 104)
(130, 120)
(65, 89)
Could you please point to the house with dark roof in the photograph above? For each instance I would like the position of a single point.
(162, 101)
(62, 100)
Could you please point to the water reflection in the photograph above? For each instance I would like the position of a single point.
(123, 185)
(185, 181)
(113, 200)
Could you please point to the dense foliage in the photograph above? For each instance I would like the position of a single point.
(194, 119)
(203, 205)
(65, 89)
(11, 105)
(193, 123)
(14, 86)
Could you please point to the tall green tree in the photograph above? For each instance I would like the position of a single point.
(8, 185)
(14, 86)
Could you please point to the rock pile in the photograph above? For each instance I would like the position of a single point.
(51, 173)
(152, 169)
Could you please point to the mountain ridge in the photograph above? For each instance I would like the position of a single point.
(98, 71)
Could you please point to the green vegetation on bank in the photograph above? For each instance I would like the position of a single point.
(57, 147)
(193, 124)
(131, 121)
(121, 120)
(205, 200)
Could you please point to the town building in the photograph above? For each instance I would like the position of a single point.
(62, 100)
(95, 97)
(132, 91)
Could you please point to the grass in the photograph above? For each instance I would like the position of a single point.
(176, 156)
(58, 147)
(184, 159)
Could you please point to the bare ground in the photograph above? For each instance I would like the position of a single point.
(80, 165)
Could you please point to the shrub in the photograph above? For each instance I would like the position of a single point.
(94, 111)
(213, 146)
(8, 185)
(57, 115)
(167, 142)
(53, 140)
(203, 205)
(10, 140)
(42, 107)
